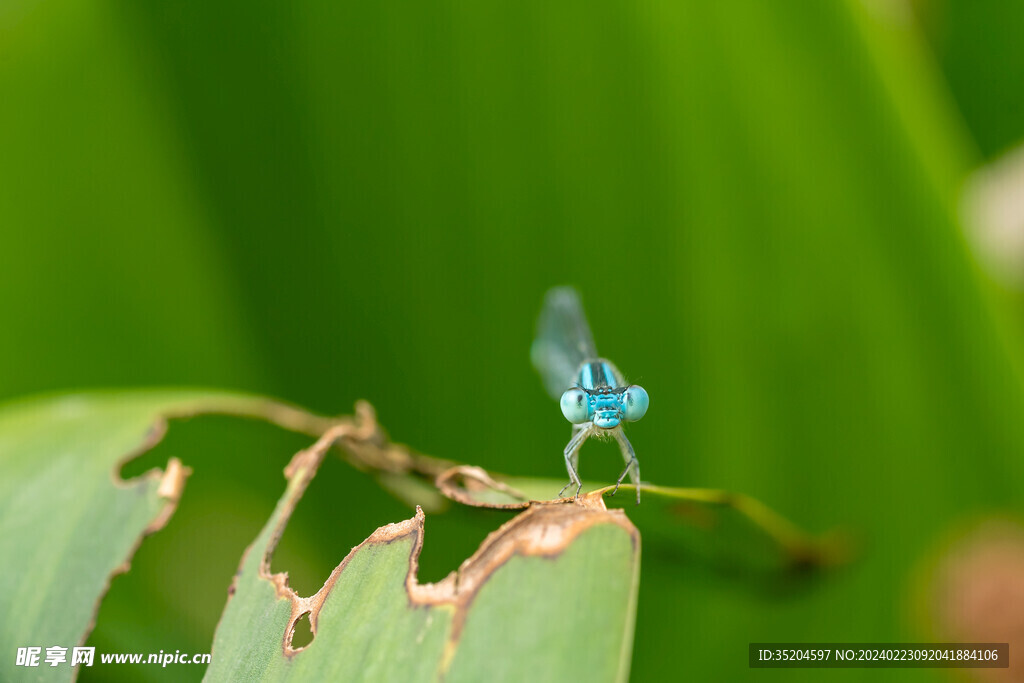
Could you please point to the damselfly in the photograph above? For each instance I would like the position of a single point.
(589, 388)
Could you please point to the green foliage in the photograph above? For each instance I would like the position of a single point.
(557, 577)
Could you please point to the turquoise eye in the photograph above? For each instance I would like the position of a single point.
(636, 401)
(574, 406)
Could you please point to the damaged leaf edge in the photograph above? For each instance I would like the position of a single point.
(172, 479)
(543, 529)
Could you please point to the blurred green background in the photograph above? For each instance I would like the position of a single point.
(330, 201)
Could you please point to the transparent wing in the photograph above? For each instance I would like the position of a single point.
(563, 340)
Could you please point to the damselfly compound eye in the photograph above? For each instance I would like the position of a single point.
(574, 405)
(636, 401)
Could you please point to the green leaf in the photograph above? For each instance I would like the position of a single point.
(67, 521)
(555, 579)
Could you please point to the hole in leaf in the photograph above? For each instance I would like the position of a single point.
(302, 632)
